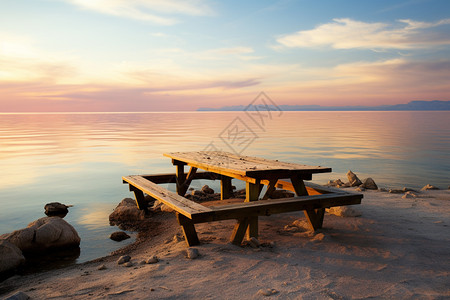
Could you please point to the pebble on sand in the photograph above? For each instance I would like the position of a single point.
(123, 259)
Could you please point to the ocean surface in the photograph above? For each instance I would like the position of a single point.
(79, 158)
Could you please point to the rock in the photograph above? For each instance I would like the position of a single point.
(277, 194)
(253, 242)
(353, 179)
(178, 238)
(198, 193)
(302, 225)
(126, 214)
(369, 184)
(383, 190)
(123, 259)
(119, 236)
(409, 195)
(343, 211)
(207, 190)
(22, 238)
(360, 189)
(429, 187)
(267, 292)
(152, 260)
(128, 264)
(405, 189)
(44, 233)
(56, 209)
(393, 191)
(18, 296)
(102, 267)
(192, 253)
(336, 183)
(10, 256)
(166, 208)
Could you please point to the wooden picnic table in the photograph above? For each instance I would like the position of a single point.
(256, 172)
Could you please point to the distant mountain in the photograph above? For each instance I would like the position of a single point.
(413, 105)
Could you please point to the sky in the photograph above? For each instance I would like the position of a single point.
(180, 55)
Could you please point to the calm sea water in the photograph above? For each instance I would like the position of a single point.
(79, 158)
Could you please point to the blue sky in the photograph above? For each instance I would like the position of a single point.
(138, 55)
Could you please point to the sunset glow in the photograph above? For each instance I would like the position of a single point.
(145, 55)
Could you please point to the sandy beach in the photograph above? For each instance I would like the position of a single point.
(399, 248)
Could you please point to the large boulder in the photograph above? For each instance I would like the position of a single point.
(369, 184)
(126, 214)
(10, 256)
(353, 179)
(44, 233)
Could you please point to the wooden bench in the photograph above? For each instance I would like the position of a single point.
(188, 212)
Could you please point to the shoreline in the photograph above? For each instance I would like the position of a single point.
(398, 248)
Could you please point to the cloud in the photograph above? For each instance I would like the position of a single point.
(350, 34)
(156, 11)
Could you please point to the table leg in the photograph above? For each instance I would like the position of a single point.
(226, 190)
(239, 231)
(314, 216)
(140, 199)
(252, 194)
(189, 232)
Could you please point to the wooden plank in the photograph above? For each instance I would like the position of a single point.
(275, 206)
(171, 177)
(178, 203)
(224, 162)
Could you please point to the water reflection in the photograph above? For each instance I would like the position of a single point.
(79, 158)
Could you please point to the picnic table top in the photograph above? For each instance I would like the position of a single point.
(239, 165)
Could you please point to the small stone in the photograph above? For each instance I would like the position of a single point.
(353, 179)
(267, 292)
(128, 264)
(207, 190)
(383, 190)
(405, 189)
(142, 262)
(409, 195)
(192, 253)
(102, 267)
(123, 259)
(197, 193)
(177, 238)
(152, 260)
(119, 236)
(18, 296)
(253, 242)
(429, 187)
(369, 184)
(166, 208)
(343, 211)
(56, 209)
(393, 191)
(360, 189)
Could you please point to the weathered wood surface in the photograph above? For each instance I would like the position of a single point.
(275, 206)
(243, 166)
(178, 203)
